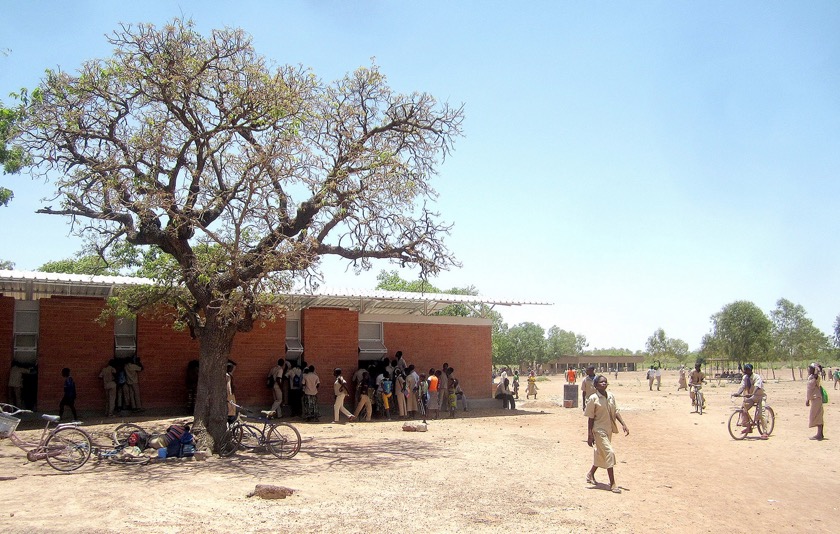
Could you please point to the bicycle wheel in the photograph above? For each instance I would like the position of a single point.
(283, 440)
(129, 460)
(122, 432)
(230, 441)
(767, 421)
(67, 448)
(737, 432)
(250, 437)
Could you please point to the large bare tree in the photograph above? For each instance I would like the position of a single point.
(238, 174)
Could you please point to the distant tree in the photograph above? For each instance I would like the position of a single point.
(391, 281)
(527, 341)
(580, 343)
(657, 345)
(742, 332)
(678, 349)
(94, 265)
(504, 353)
(7, 265)
(837, 332)
(561, 343)
(794, 335)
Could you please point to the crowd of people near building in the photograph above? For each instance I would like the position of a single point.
(388, 388)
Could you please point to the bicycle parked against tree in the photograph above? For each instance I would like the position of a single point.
(280, 438)
(763, 418)
(64, 446)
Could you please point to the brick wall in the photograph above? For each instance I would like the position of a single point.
(255, 353)
(71, 337)
(467, 348)
(7, 342)
(330, 338)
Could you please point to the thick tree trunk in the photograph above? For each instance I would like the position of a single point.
(211, 410)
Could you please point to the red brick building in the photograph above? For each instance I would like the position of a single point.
(52, 320)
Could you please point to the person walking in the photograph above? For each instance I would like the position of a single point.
(603, 412)
(682, 382)
(814, 399)
(341, 392)
(364, 397)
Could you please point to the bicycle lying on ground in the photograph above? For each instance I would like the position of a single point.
(280, 438)
(764, 419)
(699, 401)
(64, 446)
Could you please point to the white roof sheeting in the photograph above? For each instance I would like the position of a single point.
(33, 285)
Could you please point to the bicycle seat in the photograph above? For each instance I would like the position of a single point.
(268, 413)
(51, 418)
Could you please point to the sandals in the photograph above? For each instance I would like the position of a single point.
(615, 489)
(590, 479)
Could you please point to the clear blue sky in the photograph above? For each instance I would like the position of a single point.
(638, 164)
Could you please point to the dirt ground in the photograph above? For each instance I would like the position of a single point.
(484, 471)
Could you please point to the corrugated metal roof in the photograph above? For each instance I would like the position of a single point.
(33, 285)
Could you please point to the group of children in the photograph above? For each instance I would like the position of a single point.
(390, 387)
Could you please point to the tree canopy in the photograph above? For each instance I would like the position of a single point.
(241, 174)
(794, 335)
(741, 332)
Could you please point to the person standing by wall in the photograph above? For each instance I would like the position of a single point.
(311, 383)
(814, 399)
(16, 384)
(132, 382)
(231, 391)
(275, 375)
(412, 384)
(108, 374)
(69, 398)
(294, 376)
(603, 412)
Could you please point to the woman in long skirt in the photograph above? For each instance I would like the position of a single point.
(813, 398)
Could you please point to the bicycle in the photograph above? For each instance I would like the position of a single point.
(764, 419)
(280, 438)
(124, 436)
(699, 401)
(64, 446)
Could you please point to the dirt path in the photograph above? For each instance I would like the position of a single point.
(489, 472)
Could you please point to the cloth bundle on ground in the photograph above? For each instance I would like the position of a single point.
(178, 442)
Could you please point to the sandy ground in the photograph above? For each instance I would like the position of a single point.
(491, 471)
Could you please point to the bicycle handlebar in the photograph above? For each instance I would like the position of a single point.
(14, 409)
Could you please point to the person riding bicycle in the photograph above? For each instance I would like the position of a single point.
(696, 378)
(752, 387)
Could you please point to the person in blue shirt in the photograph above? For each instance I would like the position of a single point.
(69, 398)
